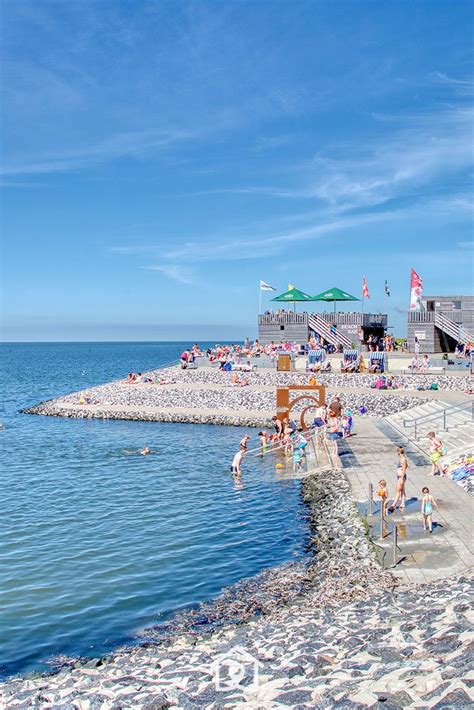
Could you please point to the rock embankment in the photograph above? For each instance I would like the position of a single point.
(335, 633)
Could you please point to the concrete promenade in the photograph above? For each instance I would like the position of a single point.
(369, 456)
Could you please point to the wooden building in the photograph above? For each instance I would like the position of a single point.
(442, 323)
(346, 329)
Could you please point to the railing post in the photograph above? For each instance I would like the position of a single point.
(444, 420)
(381, 520)
(371, 499)
(416, 437)
(395, 541)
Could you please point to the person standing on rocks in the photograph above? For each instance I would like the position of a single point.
(400, 494)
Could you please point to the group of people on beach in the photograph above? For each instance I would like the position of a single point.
(428, 502)
(135, 378)
(420, 365)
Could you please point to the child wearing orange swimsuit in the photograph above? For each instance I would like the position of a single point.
(383, 495)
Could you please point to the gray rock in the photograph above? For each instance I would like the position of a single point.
(455, 699)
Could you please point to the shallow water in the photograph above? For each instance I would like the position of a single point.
(99, 541)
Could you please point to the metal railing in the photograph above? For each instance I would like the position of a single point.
(316, 440)
(383, 528)
(462, 406)
(340, 318)
(283, 319)
(322, 327)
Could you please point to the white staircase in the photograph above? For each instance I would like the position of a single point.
(452, 423)
(323, 328)
(458, 332)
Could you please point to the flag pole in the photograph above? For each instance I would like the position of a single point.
(259, 298)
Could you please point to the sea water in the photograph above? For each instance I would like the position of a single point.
(98, 541)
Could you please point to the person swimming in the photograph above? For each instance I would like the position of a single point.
(146, 450)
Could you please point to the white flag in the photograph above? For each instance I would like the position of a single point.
(266, 287)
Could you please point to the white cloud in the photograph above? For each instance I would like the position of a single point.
(405, 164)
(174, 272)
(137, 144)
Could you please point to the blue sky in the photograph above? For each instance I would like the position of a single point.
(159, 158)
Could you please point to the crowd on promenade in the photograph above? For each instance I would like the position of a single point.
(250, 349)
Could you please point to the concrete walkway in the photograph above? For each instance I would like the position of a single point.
(369, 456)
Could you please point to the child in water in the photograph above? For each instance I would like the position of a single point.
(262, 435)
(382, 493)
(427, 503)
(297, 459)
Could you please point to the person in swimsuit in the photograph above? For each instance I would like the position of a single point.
(278, 426)
(332, 432)
(382, 493)
(262, 435)
(400, 494)
(427, 503)
(297, 459)
(146, 450)
(243, 442)
(436, 451)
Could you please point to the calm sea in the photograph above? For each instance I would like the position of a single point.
(97, 541)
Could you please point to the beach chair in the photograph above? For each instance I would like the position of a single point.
(379, 359)
(352, 355)
(314, 357)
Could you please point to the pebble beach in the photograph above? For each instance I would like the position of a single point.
(206, 396)
(336, 632)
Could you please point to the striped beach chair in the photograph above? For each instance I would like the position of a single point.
(379, 359)
(351, 355)
(314, 356)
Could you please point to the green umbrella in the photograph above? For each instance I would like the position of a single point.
(333, 295)
(293, 295)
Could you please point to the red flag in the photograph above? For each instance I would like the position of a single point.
(365, 289)
(415, 291)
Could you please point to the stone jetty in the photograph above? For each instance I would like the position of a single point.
(206, 396)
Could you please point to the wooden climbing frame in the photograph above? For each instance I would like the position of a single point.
(315, 393)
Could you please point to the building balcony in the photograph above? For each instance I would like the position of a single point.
(342, 318)
(455, 316)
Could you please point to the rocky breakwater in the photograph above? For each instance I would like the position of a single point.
(203, 397)
(338, 634)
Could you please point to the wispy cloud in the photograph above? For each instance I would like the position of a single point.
(175, 272)
(134, 144)
(406, 164)
(461, 86)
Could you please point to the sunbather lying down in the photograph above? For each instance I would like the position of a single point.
(324, 366)
(237, 381)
